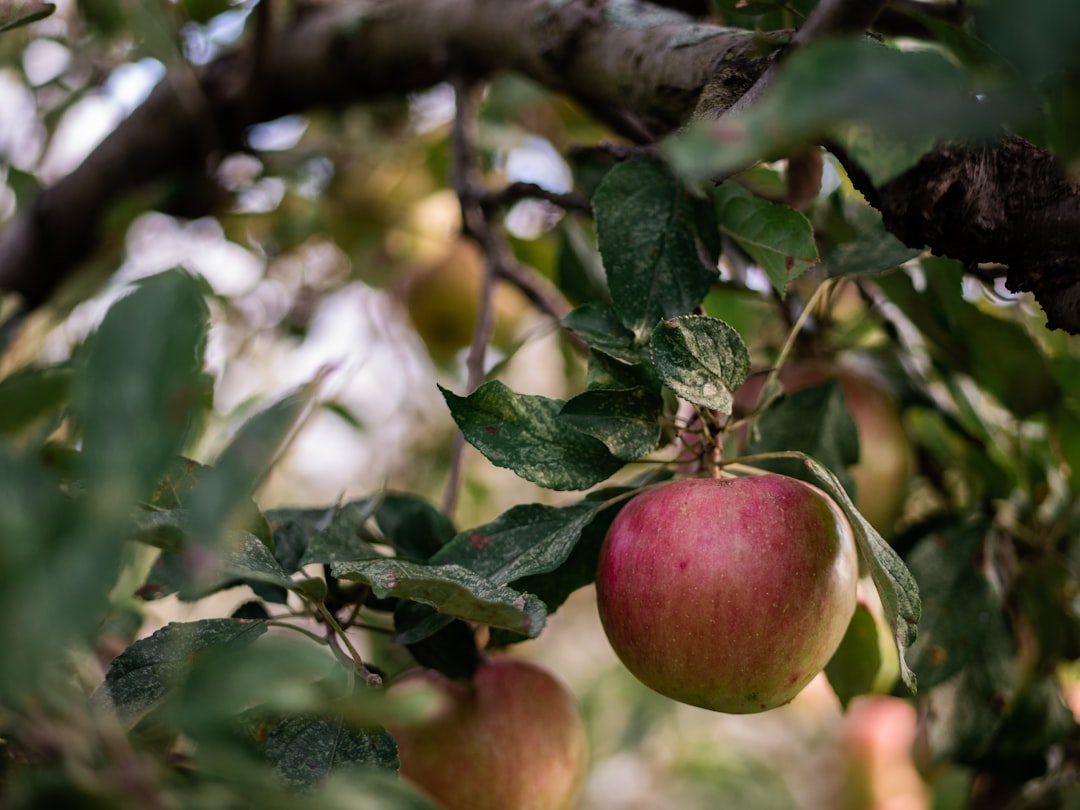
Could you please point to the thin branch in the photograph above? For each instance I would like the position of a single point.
(514, 192)
(475, 224)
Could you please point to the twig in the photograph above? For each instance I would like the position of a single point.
(522, 191)
(474, 223)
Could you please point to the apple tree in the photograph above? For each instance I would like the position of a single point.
(374, 317)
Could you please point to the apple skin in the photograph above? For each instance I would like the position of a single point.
(729, 594)
(512, 739)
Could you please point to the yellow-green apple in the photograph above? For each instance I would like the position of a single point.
(442, 299)
(511, 739)
(730, 594)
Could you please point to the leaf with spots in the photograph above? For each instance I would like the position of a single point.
(525, 434)
(659, 244)
(527, 539)
(142, 675)
(701, 359)
(896, 586)
(305, 750)
(625, 420)
(450, 589)
(777, 237)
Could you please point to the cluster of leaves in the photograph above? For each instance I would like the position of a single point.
(95, 486)
(135, 394)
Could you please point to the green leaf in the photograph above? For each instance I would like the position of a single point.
(527, 539)
(525, 434)
(815, 421)
(909, 99)
(1039, 38)
(35, 544)
(187, 570)
(777, 237)
(963, 616)
(658, 249)
(855, 664)
(339, 534)
(598, 325)
(31, 394)
(176, 487)
(874, 250)
(452, 590)
(136, 387)
(305, 751)
(142, 675)
(606, 373)
(896, 586)
(578, 569)
(626, 420)
(219, 500)
(411, 525)
(701, 359)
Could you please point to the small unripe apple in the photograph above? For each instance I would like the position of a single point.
(729, 594)
(511, 739)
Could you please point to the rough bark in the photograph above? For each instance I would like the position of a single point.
(641, 69)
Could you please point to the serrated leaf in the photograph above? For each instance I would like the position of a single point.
(778, 238)
(815, 421)
(192, 572)
(854, 666)
(527, 539)
(598, 325)
(452, 590)
(626, 421)
(305, 751)
(579, 567)
(701, 359)
(142, 675)
(895, 585)
(655, 243)
(525, 434)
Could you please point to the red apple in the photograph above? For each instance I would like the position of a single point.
(512, 739)
(729, 594)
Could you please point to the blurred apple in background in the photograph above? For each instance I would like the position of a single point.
(511, 739)
(442, 298)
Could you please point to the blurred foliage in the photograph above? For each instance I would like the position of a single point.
(143, 421)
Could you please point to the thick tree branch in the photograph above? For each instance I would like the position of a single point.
(637, 67)
(642, 69)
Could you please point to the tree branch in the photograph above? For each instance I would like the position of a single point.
(642, 69)
(636, 67)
